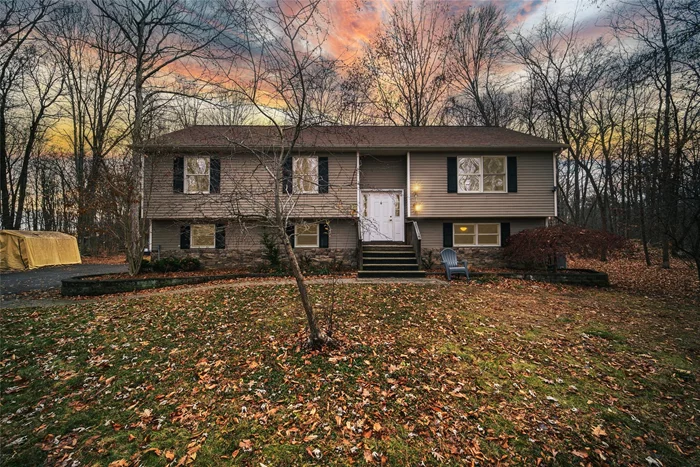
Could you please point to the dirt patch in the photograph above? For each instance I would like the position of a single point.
(109, 259)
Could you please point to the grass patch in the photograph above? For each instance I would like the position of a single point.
(509, 371)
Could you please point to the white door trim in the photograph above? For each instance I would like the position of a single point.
(369, 226)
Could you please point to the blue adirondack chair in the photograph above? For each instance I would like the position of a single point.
(449, 259)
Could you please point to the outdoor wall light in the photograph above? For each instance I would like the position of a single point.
(418, 207)
(416, 188)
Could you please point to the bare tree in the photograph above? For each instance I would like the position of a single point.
(664, 40)
(228, 108)
(97, 86)
(20, 126)
(282, 73)
(479, 47)
(155, 35)
(406, 64)
(566, 74)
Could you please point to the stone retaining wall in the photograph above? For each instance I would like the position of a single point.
(86, 285)
(586, 277)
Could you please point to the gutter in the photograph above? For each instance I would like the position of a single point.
(440, 149)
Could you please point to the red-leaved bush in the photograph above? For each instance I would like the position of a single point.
(538, 248)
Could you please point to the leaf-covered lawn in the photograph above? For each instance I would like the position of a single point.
(462, 374)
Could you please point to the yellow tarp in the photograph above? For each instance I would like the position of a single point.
(22, 249)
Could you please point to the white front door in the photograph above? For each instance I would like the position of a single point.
(384, 220)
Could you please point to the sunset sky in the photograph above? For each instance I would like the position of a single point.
(355, 22)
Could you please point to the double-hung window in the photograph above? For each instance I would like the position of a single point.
(476, 234)
(305, 169)
(203, 236)
(306, 235)
(481, 174)
(197, 174)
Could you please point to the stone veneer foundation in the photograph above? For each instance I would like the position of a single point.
(345, 259)
(342, 259)
(475, 257)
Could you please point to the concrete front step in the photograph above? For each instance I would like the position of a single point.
(390, 260)
(388, 254)
(390, 267)
(387, 247)
(378, 274)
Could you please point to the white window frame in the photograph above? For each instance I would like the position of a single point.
(208, 175)
(296, 177)
(476, 234)
(481, 175)
(213, 237)
(296, 237)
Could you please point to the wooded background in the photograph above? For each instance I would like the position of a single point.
(81, 81)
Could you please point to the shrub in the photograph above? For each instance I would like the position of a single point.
(190, 264)
(429, 260)
(167, 264)
(146, 266)
(172, 264)
(538, 248)
(271, 251)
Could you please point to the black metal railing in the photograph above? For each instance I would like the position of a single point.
(414, 239)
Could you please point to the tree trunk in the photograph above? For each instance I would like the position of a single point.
(317, 338)
(134, 247)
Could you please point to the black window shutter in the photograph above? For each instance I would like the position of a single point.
(452, 175)
(214, 175)
(323, 235)
(290, 233)
(447, 235)
(178, 175)
(323, 175)
(505, 232)
(287, 175)
(220, 236)
(512, 174)
(185, 237)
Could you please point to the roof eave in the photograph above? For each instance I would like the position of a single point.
(218, 148)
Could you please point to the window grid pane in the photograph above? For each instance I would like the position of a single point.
(197, 174)
(494, 165)
(306, 235)
(464, 234)
(476, 234)
(305, 174)
(464, 239)
(202, 236)
(488, 240)
(481, 174)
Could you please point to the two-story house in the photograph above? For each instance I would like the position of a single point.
(415, 189)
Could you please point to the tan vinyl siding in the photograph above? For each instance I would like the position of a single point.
(246, 189)
(533, 199)
(383, 172)
(166, 233)
(343, 234)
(431, 229)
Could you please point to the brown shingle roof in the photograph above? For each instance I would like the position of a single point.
(354, 138)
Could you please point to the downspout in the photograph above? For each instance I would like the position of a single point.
(556, 179)
(408, 184)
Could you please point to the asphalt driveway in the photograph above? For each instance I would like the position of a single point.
(50, 277)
